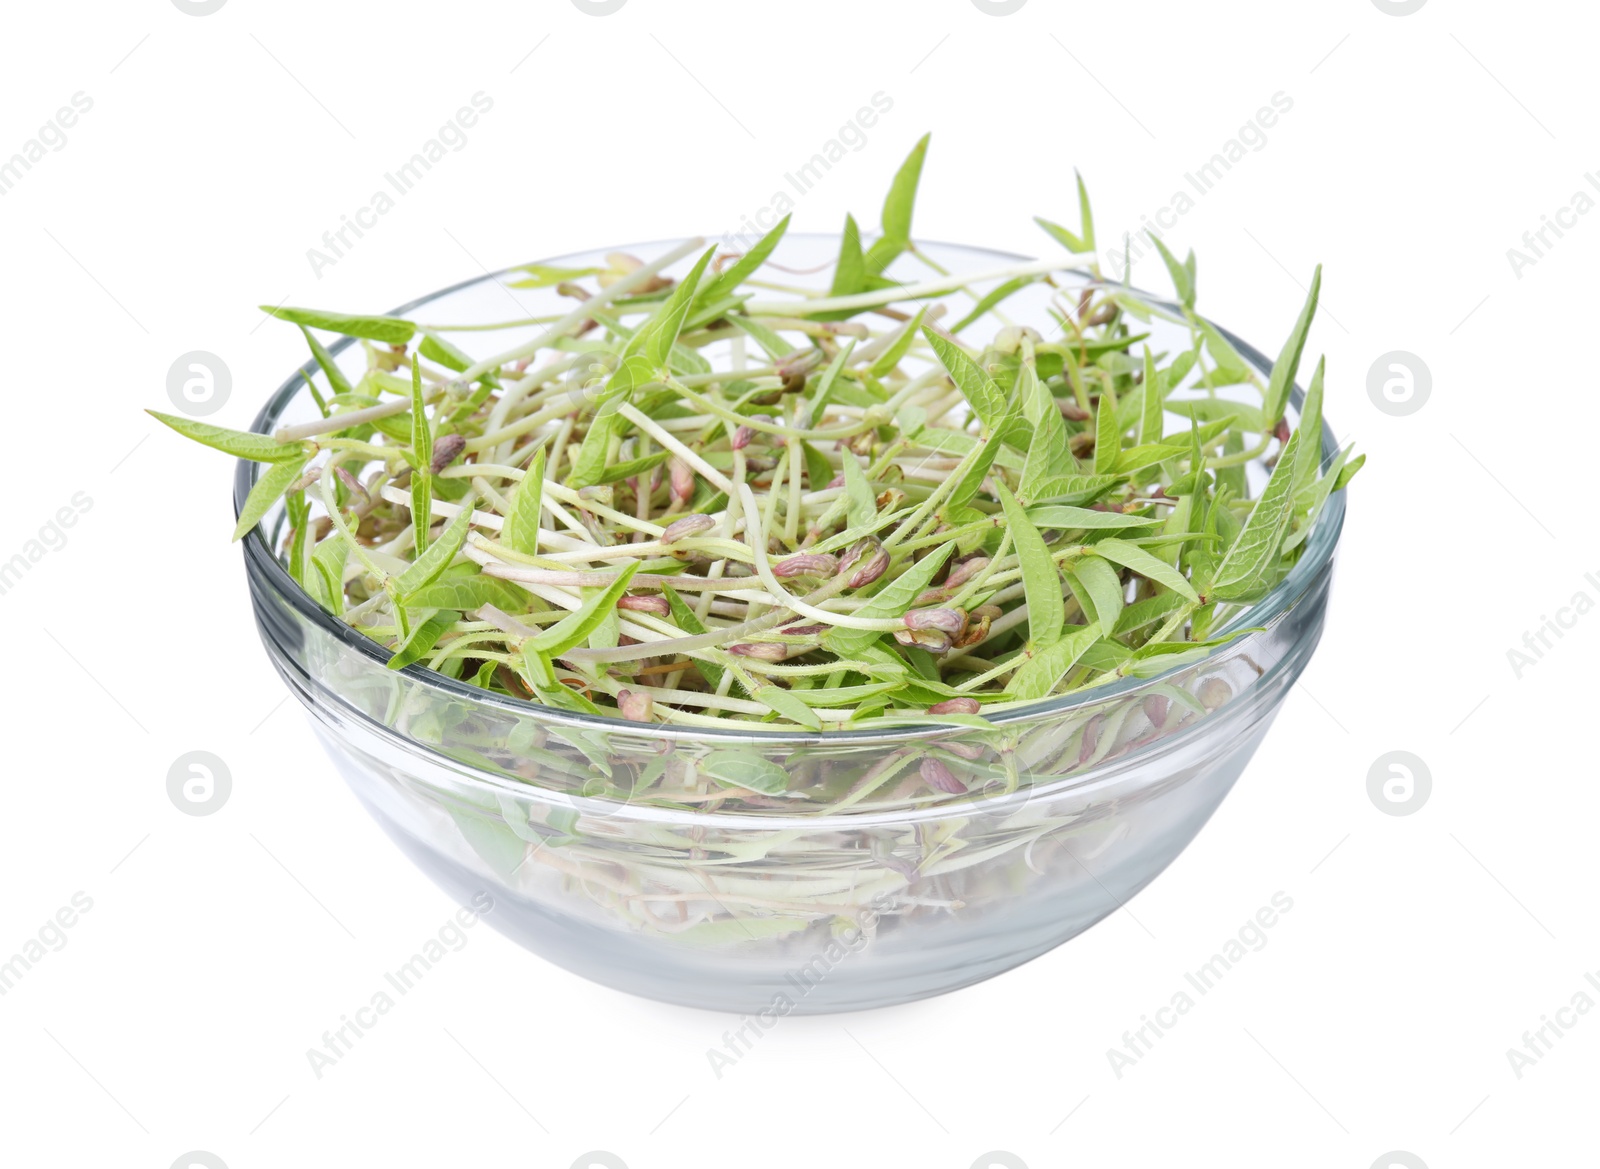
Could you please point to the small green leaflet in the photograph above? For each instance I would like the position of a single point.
(1151, 567)
(1107, 442)
(686, 619)
(898, 206)
(891, 356)
(830, 377)
(661, 331)
(1049, 456)
(1041, 673)
(725, 285)
(1072, 489)
(1149, 454)
(1083, 242)
(773, 345)
(1182, 274)
(1232, 367)
(428, 567)
(746, 769)
(628, 468)
(1283, 370)
(269, 488)
(423, 638)
(326, 582)
(1041, 581)
(436, 348)
(892, 601)
(849, 272)
(391, 330)
(787, 704)
(819, 472)
(543, 276)
(1310, 425)
(470, 593)
(985, 397)
(1098, 587)
(337, 382)
(576, 626)
(1247, 561)
(1055, 515)
(520, 531)
(1151, 421)
(258, 448)
(1349, 472)
(976, 463)
(863, 504)
(993, 297)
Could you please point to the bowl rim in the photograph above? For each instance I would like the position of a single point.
(260, 562)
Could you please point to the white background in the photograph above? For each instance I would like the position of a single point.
(1419, 949)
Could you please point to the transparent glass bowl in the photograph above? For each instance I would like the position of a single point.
(767, 906)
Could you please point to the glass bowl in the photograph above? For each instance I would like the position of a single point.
(870, 890)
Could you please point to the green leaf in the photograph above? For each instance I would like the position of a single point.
(664, 326)
(470, 593)
(442, 352)
(520, 531)
(543, 276)
(1086, 216)
(829, 378)
(686, 619)
(1054, 515)
(576, 626)
(788, 704)
(1284, 369)
(423, 638)
(259, 448)
(977, 462)
(326, 582)
(428, 567)
(863, 504)
(819, 472)
(898, 206)
(1151, 421)
(726, 284)
(1072, 489)
(1043, 671)
(1074, 243)
(1146, 565)
(1041, 581)
(891, 601)
(628, 468)
(986, 398)
(268, 489)
(849, 272)
(1182, 274)
(1232, 366)
(337, 382)
(1098, 588)
(391, 330)
(891, 356)
(1310, 427)
(1248, 560)
(501, 848)
(992, 298)
(1349, 472)
(1107, 440)
(1049, 455)
(771, 343)
(746, 769)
